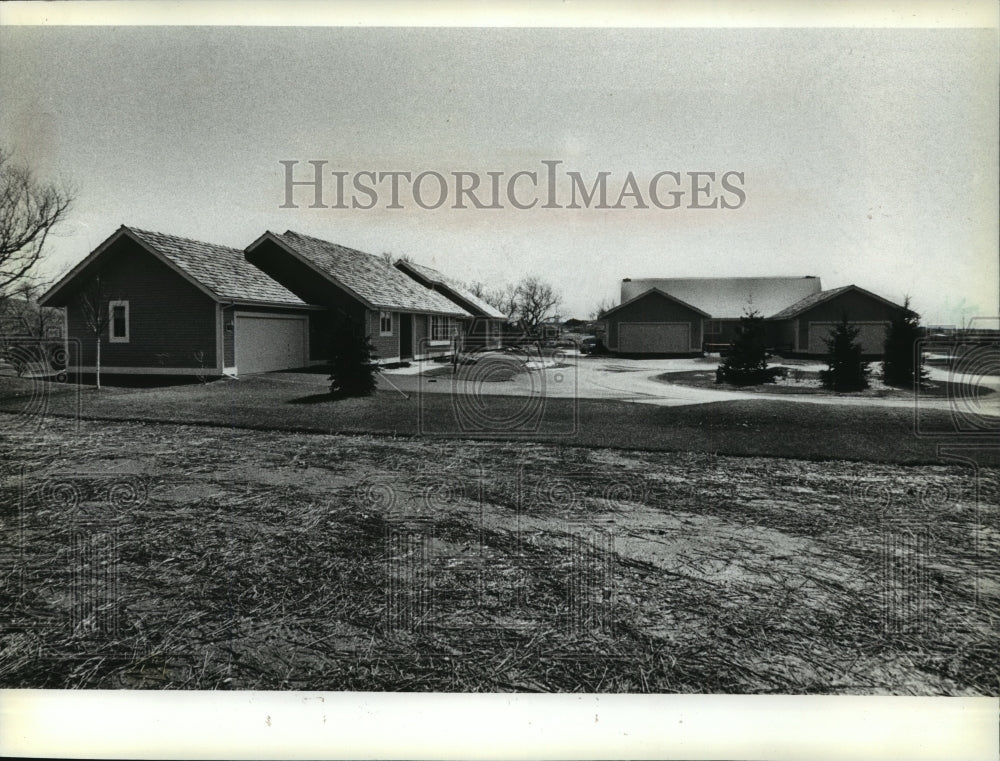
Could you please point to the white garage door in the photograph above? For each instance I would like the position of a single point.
(270, 342)
(871, 337)
(654, 337)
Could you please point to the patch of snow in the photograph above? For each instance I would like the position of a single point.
(540, 364)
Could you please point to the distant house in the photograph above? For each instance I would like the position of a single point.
(549, 329)
(485, 327)
(727, 299)
(175, 306)
(404, 319)
(798, 314)
(654, 322)
(803, 327)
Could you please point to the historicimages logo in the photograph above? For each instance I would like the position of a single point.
(546, 187)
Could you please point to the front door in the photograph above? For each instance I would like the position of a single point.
(405, 336)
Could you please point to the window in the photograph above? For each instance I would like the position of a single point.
(118, 328)
(441, 329)
(385, 323)
(714, 327)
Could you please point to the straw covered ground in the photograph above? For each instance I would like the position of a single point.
(161, 555)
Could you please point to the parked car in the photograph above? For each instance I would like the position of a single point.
(588, 344)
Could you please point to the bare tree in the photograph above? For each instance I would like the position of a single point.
(25, 326)
(492, 296)
(29, 210)
(503, 298)
(506, 299)
(92, 298)
(530, 301)
(535, 301)
(21, 314)
(603, 306)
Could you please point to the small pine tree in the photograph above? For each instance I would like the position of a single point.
(746, 363)
(353, 364)
(846, 371)
(900, 366)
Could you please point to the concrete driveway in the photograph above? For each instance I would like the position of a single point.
(631, 380)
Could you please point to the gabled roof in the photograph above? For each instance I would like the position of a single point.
(449, 287)
(225, 271)
(657, 291)
(729, 297)
(818, 298)
(221, 273)
(374, 282)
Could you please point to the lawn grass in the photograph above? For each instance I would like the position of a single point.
(748, 428)
(141, 555)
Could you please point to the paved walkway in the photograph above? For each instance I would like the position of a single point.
(635, 380)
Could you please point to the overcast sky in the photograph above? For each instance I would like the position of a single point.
(869, 156)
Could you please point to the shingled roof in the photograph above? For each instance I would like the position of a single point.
(809, 301)
(432, 276)
(224, 271)
(818, 298)
(728, 297)
(378, 284)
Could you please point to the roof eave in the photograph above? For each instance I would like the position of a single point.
(413, 310)
(663, 293)
(832, 294)
(81, 265)
(416, 274)
(281, 304)
(445, 288)
(290, 250)
(110, 241)
(175, 267)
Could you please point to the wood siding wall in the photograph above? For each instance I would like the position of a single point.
(304, 281)
(781, 335)
(386, 347)
(425, 349)
(726, 330)
(172, 324)
(421, 332)
(320, 336)
(228, 337)
(858, 306)
(655, 308)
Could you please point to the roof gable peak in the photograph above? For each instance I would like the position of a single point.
(655, 292)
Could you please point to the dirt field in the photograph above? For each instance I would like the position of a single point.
(159, 555)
